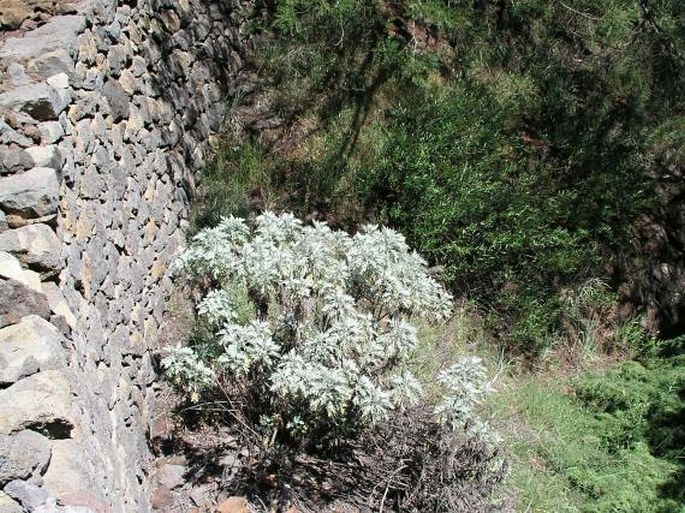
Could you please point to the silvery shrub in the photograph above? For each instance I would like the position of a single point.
(329, 331)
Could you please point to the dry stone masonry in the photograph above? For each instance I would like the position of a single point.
(107, 109)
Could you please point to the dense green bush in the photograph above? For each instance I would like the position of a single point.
(461, 189)
(641, 402)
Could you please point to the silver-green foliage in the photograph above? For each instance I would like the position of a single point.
(332, 326)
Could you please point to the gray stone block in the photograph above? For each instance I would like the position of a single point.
(52, 63)
(129, 82)
(87, 49)
(116, 59)
(134, 125)
(117, 98)
(85, 139)
(40, 101)
(10, 268)
(92, 185)
(50, 132)
(58, 32)
(23, 454)
(46, 156)
(14, 159)
(66, 473)
(138, 66)
(200, 29)
(41, 402)
(34, 193)
(100, 129)
(29, 347)
(16, 301)
(35, 246)
(31, 496)
(9, 135)
(181, 40)
(86, 105)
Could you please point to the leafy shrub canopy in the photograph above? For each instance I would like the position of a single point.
(330, 330)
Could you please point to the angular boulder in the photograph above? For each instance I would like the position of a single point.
(46, 156)
(50, 132)
(34, 193)
(30, 495)
(40, 101)
(58, 33)
(41, 402)
(10, 268)
(29, 347)
(35, 246)
(14, 159)
(16, 302)
(9, 135)
(118, 100)
(23, 454)
(66, 474)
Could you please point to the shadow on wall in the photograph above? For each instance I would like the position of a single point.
(194, 52)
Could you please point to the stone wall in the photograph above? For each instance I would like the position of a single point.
(107, 109)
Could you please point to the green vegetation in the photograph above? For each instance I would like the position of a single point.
(239, 176)
(517, 145)
(602, 442)
(513, 143)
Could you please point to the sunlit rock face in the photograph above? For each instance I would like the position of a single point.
(107, 110)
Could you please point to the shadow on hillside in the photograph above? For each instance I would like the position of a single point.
(666, 433)
(666, 423)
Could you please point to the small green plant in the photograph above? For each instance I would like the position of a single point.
(325, 352)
